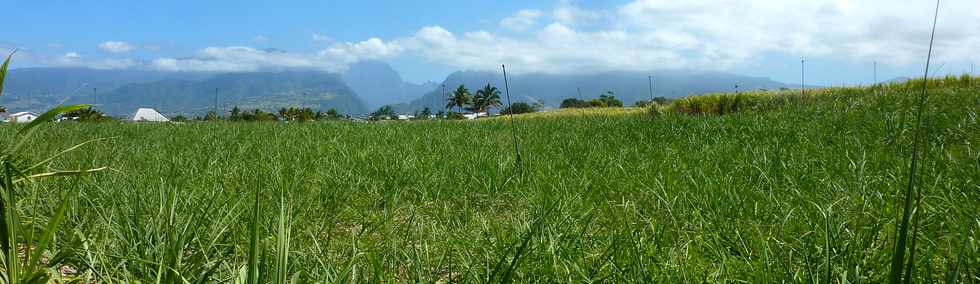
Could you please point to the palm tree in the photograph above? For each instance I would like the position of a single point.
(460, 97)
(486, 98)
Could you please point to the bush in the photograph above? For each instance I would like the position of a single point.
(519, 108)
(574, 103)
(86, 115)
(455, 115)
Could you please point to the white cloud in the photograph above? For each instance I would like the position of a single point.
(71, 57)
(569, 14)
(260, 38)
(710, 34)
(732, 32)
(522, 20)
(116, 46)
(321, 37)
(645, 35)
(246, 59)
(77, 60)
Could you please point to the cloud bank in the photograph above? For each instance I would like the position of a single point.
(638, 35)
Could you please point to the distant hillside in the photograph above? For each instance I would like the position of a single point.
(550, 90)
(37, 89)
(264, 90)
(378, 84)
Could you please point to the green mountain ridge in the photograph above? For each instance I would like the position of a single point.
(268, 91)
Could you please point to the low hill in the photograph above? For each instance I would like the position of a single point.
(263, 90)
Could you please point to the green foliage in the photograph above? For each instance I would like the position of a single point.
(87, 115)
(609, 100)
(179, 118)
(24, 240)
(574, 103)
(455, 116)
(425, 114)
(519, 108)
(485, 98)
(800, 191)
(605, 100)
(460, 98)
(384, 112)
(298, 114)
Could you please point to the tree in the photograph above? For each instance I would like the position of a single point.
(574, 103)
(86, 115)
(332, 113)
(211, 116)
(3, 109)
(426, 113)
(236, 114)
(385, 112)
(459, 98)
(519, 108)
(485, 99)
(610, 100)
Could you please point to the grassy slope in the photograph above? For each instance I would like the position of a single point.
(749, 196)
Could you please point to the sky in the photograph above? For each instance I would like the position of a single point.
(426, 40)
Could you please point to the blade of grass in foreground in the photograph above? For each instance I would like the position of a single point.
(253, 249)
(898, 260)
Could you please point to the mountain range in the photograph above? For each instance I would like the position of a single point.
(365, 86)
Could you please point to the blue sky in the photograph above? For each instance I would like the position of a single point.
(427, 40)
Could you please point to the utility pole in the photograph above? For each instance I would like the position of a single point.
(651, 88)
(215, 101)
(803, 76)
(445, 107)
(876, 75)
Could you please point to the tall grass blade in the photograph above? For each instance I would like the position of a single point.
(898, 259)
(3, 70)
(253, 248)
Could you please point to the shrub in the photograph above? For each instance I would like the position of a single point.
(574, 103)
(519, 108)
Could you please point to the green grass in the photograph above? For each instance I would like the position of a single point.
(802, 191)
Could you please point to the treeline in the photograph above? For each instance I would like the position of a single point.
(291, 114)
(461, 99)
(607, 99)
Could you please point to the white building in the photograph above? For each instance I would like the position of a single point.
(475, 115)
(21, 117)
(148, 114)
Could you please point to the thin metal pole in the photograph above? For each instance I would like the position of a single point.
(513, 125)
(651, 88)
(876, 75)
(445, 108)
(803, 76)
(215, 101)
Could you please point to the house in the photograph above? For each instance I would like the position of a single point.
(21, 117)
(475, 115)
(405, 117)
(148, 114)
